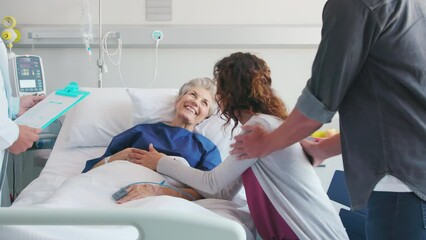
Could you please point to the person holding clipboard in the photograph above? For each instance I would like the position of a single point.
(16, 138)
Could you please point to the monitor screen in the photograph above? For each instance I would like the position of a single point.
(28, 83)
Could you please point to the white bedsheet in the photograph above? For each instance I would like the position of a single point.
(61, 185)
(94, 190)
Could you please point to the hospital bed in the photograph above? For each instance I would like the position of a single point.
(82, 204)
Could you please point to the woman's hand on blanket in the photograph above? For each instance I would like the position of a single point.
(145, 158)
(140, 191)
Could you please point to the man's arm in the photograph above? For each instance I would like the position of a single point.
(323, 149)
(256, 142)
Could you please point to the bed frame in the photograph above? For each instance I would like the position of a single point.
(150, 224)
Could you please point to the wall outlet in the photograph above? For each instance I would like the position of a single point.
(157, 35)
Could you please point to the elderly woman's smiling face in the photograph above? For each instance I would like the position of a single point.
(193, 107)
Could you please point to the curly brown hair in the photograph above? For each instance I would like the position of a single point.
(244, 83)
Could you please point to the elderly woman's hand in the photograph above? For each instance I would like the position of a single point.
(122, 155)
(139, 191)
(147, 159)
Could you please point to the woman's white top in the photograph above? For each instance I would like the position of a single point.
(287, 178)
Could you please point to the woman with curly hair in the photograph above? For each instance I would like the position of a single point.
(284, 194)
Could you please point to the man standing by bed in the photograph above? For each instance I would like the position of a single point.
(15, 138)
(371, 68)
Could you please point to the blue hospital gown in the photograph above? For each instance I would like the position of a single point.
(198, 150)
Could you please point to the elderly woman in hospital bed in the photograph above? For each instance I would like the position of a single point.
(86, 133)
(195, 102)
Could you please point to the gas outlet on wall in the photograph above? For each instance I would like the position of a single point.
(157, 35)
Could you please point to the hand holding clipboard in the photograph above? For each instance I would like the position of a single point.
(52, 107)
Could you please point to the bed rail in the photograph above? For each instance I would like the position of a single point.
(151, 224)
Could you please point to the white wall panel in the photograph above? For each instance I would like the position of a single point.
(184, 11)
(283, 32)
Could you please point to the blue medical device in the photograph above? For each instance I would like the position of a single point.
(27, 75)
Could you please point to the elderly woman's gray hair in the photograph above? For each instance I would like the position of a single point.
(206, 83)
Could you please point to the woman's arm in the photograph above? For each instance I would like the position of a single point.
(223, 181)
(210, 182)
(122, 155)
(139, 191)
(226, 174)
(226, 188)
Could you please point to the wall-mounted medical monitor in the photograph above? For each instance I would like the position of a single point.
(28, 75)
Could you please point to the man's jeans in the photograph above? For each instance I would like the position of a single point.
(396, 216)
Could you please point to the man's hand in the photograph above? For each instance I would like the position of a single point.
(320, 149)
(251, 144)
(311, 148)
(27, 102)
(27, 136)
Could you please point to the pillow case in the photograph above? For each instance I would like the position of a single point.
(151, 106)
(94, 121)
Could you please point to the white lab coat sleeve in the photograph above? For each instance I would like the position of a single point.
(14, 106)
(8, 129)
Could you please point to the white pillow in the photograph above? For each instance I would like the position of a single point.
(94, 121)
(157, 105)
(152, 105)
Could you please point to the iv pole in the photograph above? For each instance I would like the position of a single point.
(101, 54)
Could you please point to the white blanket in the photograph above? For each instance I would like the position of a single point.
(94, 189)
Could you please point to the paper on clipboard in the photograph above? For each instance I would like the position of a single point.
(49, 109)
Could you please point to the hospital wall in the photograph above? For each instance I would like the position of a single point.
(290, 64)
